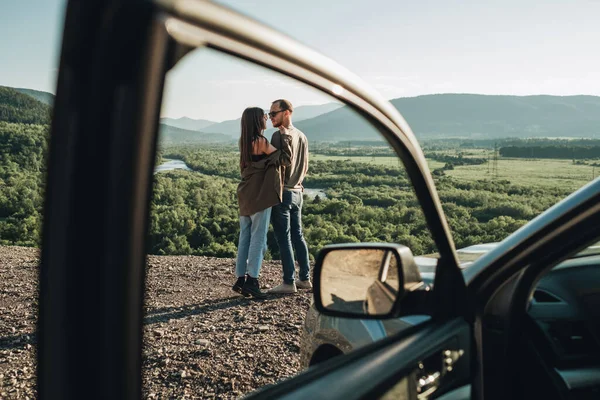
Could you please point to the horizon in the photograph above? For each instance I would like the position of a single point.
(410, 50)
(322, 104)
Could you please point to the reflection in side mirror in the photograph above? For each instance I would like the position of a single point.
(363, 280)
(354, 281)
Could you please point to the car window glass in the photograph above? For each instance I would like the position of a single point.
(355, 190)
(590, 250)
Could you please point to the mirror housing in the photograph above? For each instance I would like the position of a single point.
(364, 280)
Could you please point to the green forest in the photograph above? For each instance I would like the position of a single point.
(23, 149)
(20, 108)
(364, 203)
(195, 212)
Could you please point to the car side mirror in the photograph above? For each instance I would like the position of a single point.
(364, 280)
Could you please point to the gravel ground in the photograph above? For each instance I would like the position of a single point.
(201, 340)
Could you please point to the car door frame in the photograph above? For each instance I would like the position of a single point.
(517, 263)
(217, 27)
(101, 156)
(114, 58)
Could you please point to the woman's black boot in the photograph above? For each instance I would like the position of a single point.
(252, 288)
(239, 285)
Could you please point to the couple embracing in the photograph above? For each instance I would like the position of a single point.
(271, 190)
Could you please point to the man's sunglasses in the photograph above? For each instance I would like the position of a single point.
(274, 113)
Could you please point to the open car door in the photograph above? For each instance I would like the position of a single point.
(428, 362)
(115, 55)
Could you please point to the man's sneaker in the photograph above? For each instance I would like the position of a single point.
(252, 288)
(284, 288)
(304, 284)
(239, 284)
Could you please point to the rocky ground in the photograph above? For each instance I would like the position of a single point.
(201, 340)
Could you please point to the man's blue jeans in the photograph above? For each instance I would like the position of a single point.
(287, 225)
(253, 243)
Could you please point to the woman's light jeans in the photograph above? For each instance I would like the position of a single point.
(253, 243)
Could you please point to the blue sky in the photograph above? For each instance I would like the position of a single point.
(403, 48)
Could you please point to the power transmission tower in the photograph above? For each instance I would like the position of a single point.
(495, 162)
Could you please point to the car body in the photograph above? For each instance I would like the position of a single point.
(479, 340)
(324, 337)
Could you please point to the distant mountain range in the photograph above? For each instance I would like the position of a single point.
(430, 116)
(187, 123)
(17, 107)
(181, 130)
(44, 97)
(232, 127)
(170, 135)
(471, 116)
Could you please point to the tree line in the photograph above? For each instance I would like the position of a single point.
(195, 212)
(561, 151)
(365, 203)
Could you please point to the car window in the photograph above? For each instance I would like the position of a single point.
(593, 249)
(500, 156)
(355, 190)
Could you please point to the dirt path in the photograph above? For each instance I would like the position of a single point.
(201, 340)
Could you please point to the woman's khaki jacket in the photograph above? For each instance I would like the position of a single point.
(262, 184)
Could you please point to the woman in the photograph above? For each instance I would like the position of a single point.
(259, 190)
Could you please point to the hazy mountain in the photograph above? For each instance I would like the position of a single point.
(430, 116)
(232, 127)
(471, 115)
(21, 108)
(172, 135)
(341, 124)
(187, 123)
(44, 97)
(307, 112)
(501, 116)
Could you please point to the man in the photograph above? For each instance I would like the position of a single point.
(286, 217)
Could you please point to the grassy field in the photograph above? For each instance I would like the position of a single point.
(467, 153)
(391, 161)
(536, 172)
(519, 171)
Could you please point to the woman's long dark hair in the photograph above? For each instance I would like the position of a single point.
(253, 125)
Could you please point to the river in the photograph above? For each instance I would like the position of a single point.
(178, 164)
(171, 165)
